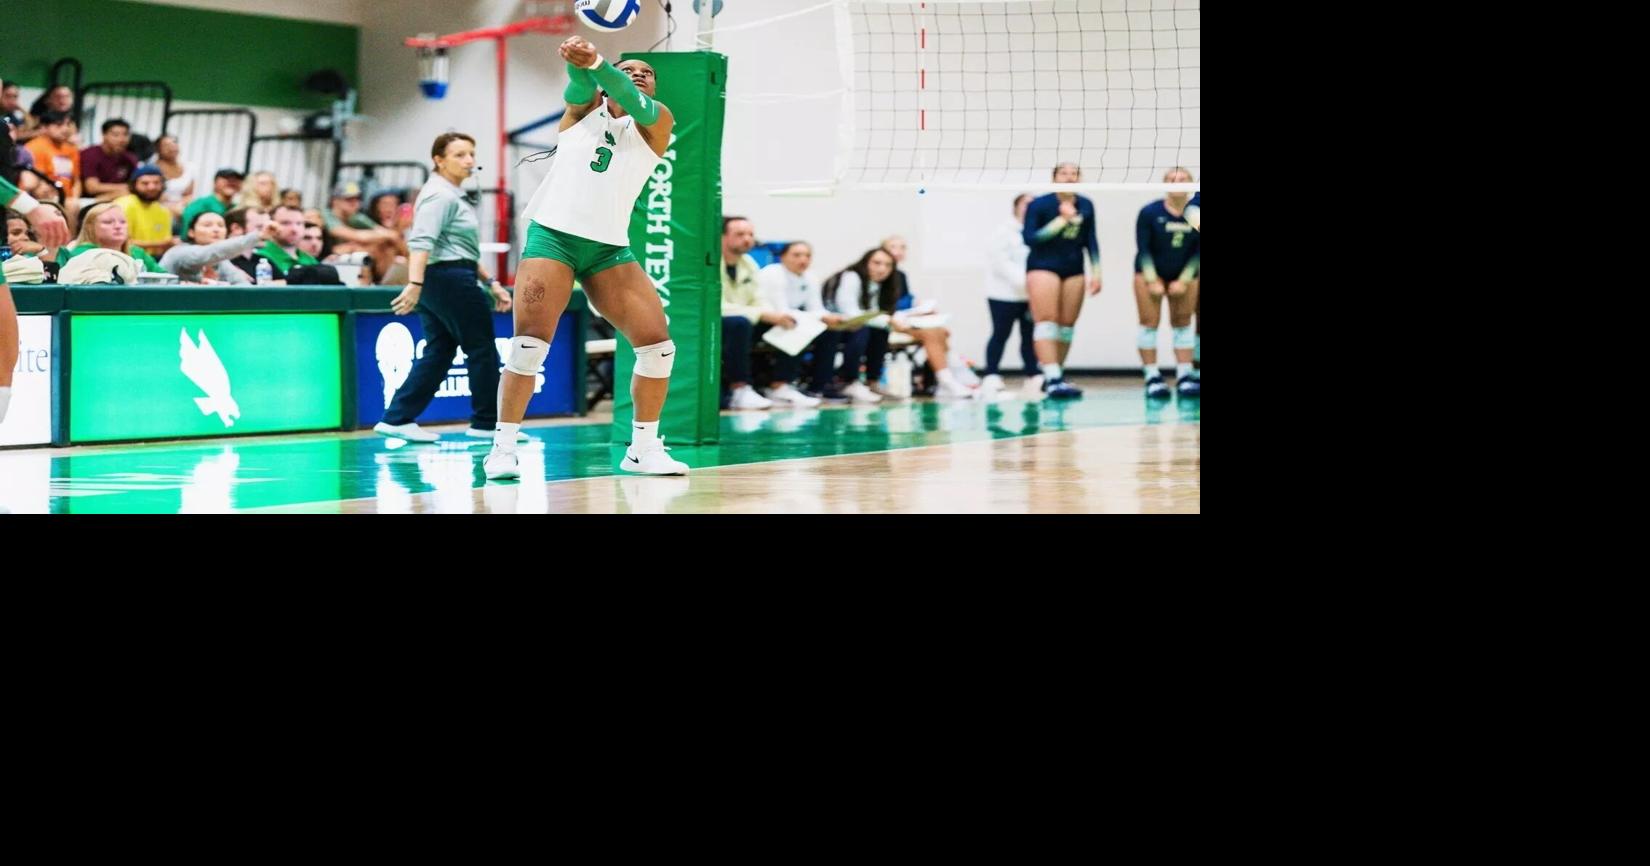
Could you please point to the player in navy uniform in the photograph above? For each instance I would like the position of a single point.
(1166, 263)
(1060, 232)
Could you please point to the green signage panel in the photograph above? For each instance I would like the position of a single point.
(153, 377)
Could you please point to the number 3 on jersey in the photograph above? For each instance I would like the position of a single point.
(603, 155)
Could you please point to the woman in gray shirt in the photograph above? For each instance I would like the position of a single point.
(445, 284)
(206, 255)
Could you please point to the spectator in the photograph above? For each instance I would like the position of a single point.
(26, 242)
(14, 157)
(743, 310)
(180, 179)
(292, 198)
(20, 236)
(11, 111)
(1005, 292)
(103, 226)
(242, 221)
(25, 265)
(284, 252)
(59, 99)
(261, 192)
(352, 231)
(206, 257)
(55, 154)
(225, 185)
(107, 166)
(785, 286)
(313, 240)
(147, 220)
(384, 210)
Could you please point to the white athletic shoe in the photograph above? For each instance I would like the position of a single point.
(501, 464)
(953, 391)
(410, 432)
(861, 394)
(478, 433)
(651, 459)
(1033, 387)
(787, 395)
(747, 398)
(991, 388)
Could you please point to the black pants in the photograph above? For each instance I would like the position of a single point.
(866, 345)
(455, 313)
(1003, 316)
(739, 337)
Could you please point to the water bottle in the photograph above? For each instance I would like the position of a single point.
(266, 271)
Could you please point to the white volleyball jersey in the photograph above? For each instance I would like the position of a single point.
(600, 166)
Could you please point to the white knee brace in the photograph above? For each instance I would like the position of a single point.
(655, 361)
(1046, 331)
(1184, 338)
(1066, 332)
(1147, 338)
(526, 355)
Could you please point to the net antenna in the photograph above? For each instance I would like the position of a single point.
(433, 83)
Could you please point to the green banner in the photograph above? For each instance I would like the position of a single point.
(157, 377)
(675, 232)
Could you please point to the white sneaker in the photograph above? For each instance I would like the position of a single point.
(478, 433)
(501, 464)
(953, 391)
(1034, 387)
(747, 398)
(788, 395)
(651, 460)
(861, 394)
(410, 432)
(991, 389)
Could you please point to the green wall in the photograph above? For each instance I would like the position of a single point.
(205, 56)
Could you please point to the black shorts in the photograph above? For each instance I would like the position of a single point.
(1065, 268)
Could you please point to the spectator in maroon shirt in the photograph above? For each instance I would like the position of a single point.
(105, 167)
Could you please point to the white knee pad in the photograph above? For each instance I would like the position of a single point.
(1066, 332)
(1147, 338)
(655, 361)
(526, 355)
(5, 400)
(1046, 331)
(1184, 338)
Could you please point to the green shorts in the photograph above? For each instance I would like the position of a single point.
(583, 255)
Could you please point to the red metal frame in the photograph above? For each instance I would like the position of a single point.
(558, 25)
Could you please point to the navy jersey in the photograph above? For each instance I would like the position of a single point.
(1166, 245)
(1062, 251)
